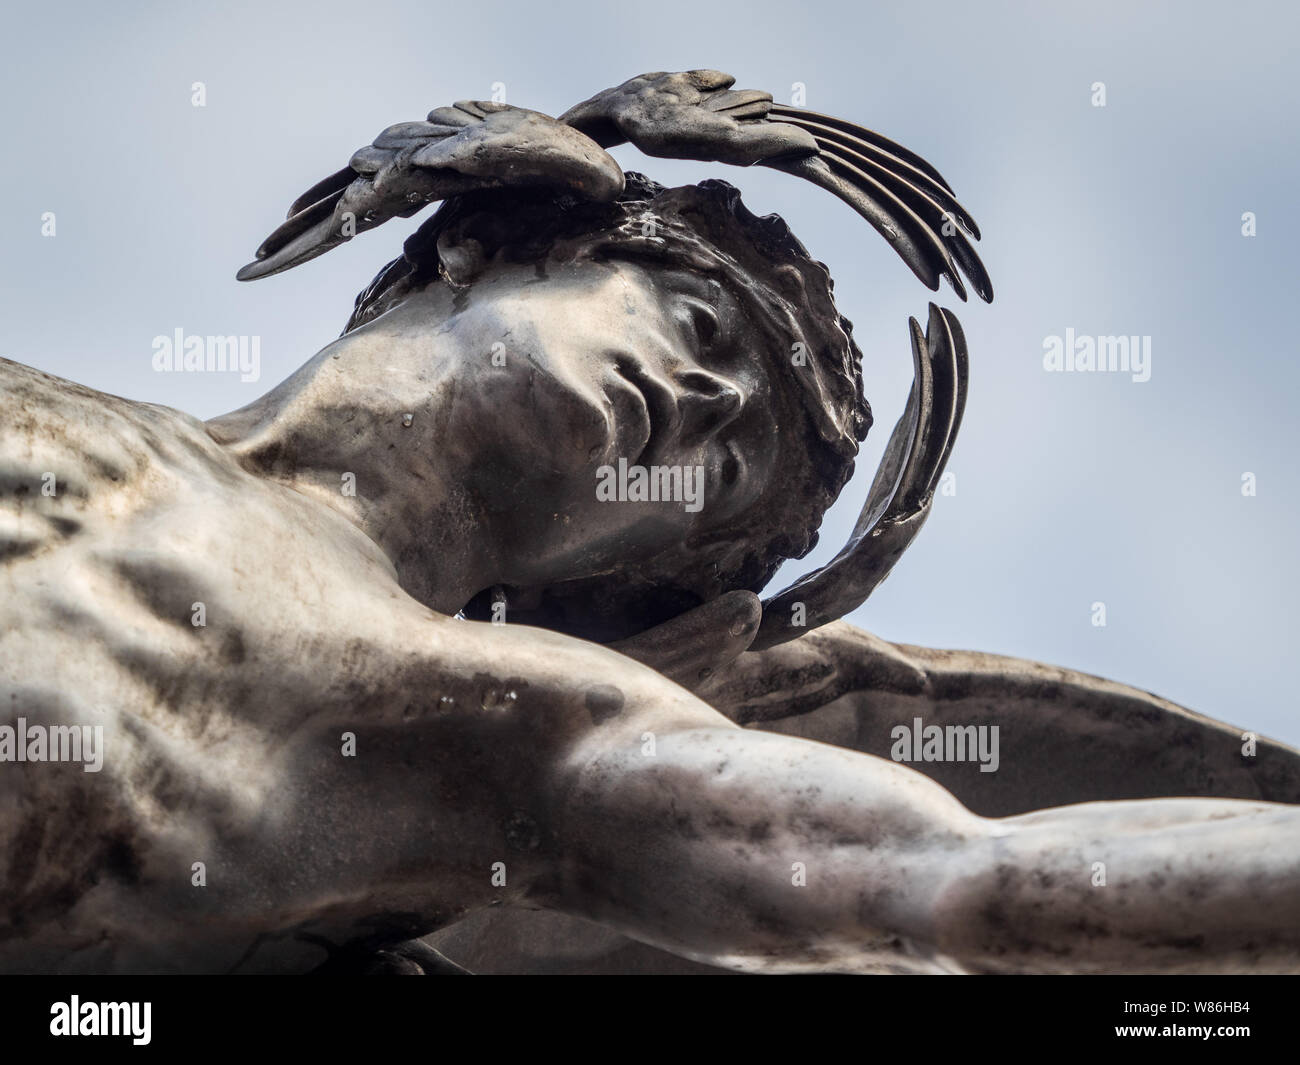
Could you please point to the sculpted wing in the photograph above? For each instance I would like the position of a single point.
(695, 114)
(692, 114)
(471, 145)
(900, 496)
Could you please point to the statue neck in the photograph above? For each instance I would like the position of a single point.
(358, 435)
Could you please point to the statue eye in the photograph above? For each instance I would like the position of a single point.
(705, 321)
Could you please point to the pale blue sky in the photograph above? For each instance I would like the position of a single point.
(1116, 220)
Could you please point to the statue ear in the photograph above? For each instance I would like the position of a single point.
(463, 258)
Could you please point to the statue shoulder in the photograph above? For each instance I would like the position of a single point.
(65, 448)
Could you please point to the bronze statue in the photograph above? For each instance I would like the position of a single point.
(446, 653)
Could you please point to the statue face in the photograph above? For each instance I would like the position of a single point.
(560, 398)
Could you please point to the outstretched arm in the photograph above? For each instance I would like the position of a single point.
(768, 853)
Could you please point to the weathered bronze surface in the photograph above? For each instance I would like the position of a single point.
(447, 653)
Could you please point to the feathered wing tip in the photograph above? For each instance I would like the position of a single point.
(900, 496)
(903, 197)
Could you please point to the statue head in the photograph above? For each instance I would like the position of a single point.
(671, 329)
(560, 333)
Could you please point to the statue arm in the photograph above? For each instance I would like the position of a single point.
(769, 853)
(508, 765)
(604, 791)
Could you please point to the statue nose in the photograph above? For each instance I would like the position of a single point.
(705, 403)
